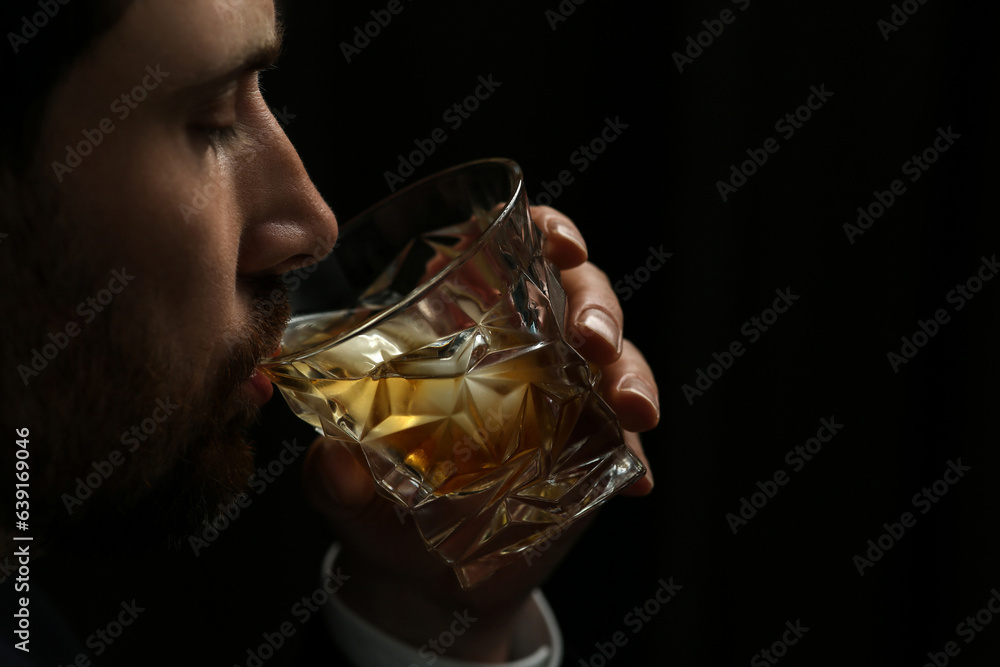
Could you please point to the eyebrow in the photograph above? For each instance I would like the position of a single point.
(261, 56)
(267, 54)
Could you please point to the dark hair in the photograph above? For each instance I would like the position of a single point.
(44, 38)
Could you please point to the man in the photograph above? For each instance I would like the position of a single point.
(134, 326)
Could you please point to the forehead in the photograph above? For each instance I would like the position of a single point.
(192, 39)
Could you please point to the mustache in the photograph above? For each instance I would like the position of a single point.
(270, 312)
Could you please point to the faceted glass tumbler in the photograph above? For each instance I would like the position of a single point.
(432, 343)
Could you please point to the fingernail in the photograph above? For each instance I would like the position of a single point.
(633, 384)
(569, 233)
(602, 325)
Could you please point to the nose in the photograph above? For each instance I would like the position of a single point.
(288, 224)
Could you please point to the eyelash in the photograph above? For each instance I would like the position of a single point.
(220, 136)
(259, 71)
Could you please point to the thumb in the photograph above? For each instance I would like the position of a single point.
(335, 482)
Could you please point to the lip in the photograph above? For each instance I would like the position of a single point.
(258, 388)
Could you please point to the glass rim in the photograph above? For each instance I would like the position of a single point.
(517, 176)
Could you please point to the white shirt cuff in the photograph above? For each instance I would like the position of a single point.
(536, 636)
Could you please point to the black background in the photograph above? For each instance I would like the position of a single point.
(656, 186)
(827, 357)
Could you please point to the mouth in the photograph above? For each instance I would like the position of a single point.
(258, 388)
(260, 337)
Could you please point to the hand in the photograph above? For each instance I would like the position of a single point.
(595, 316)
(394, 581)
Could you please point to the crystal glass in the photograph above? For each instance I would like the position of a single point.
(432, 343)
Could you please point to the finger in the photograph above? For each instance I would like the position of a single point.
(564, 243)
(630, 389)
(643, 485)
(595, 316)
(335, 482)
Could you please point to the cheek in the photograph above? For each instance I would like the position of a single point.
(192, 262)
(147, 205)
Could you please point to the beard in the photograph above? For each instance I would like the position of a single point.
(128, 440)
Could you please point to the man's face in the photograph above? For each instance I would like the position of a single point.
(191, 192)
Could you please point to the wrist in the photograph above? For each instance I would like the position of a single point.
(433, 614)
